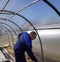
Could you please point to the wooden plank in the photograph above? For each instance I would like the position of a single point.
(2, 57)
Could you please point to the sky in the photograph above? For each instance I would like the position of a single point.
(38, 13)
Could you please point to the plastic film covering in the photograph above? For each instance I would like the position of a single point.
(42, 16)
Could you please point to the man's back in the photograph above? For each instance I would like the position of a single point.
(22, 41)
(23, 44)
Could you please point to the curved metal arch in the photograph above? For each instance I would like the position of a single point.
(10, 33)
(11, 12)
(52, 6)
(12, 22)
(6, 32)
(6, 4)
(9, 26)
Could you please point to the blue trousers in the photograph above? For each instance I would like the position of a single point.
(20, 57)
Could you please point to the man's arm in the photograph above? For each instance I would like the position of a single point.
(29, 46)
(30, 53)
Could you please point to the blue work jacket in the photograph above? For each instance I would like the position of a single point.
(23, 44)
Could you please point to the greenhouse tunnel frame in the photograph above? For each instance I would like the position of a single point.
(4, 19)
(13, 13)
(10, 12)
(6, 32)
(10, 33)
(9, 26)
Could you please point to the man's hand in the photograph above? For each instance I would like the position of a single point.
(36, 61)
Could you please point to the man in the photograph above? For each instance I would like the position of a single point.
(23, 44)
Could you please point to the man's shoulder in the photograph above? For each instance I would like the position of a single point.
(19, 34)
(25, 33)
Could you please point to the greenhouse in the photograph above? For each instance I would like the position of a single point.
(41, 16)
